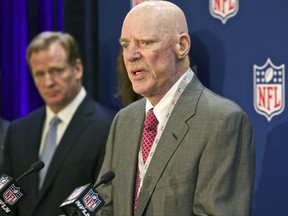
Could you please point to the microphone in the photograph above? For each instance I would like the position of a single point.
(34, 168)
(85, 200)
(10, 190)
(107, 177)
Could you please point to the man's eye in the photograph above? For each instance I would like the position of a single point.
(56, 71)
(38, 74)
(124, 46)
(145, 42)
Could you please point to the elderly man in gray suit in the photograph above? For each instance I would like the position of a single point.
(181, 150)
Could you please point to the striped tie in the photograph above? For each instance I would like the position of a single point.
(148, 136)
(49, 148)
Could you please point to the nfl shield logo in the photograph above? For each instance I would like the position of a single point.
(269, 89)
(223, 9)
(12, 194)
(91, 200)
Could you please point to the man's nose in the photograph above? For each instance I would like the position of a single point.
(132, 53)
(48, 79)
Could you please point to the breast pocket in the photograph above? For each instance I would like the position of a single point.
(176, 180)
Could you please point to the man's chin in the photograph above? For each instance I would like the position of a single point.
(54, 103)
(139, 89)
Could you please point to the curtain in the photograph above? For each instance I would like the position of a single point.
(81, 21)
(21, 21)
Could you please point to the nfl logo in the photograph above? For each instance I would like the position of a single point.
(12, 194)
(91, 200)
(223, 9)
(269, 89)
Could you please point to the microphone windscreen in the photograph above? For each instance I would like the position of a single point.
(37, 166)
(107, 177)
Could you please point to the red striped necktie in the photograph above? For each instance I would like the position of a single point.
(148, 135)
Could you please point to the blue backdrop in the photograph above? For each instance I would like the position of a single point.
(239, 48)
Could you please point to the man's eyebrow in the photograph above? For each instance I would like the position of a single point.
(122, 40)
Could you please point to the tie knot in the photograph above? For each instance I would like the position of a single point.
(151, 121)
(55, 121)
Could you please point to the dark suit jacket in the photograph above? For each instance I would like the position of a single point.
(3, 129)
(203, 165)
(76, 162)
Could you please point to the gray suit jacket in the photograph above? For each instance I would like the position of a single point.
(204, 163)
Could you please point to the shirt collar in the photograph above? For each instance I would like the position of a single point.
(160, 108)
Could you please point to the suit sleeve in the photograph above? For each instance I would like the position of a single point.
(6, 164)
(106, 190)
(226, 169)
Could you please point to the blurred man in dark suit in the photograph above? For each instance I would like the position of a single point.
(76, 141)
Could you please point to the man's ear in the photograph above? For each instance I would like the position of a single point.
(78, 69)
(183, 45)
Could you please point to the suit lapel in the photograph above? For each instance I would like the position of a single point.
(32, 148)
(171, 138)
(69, 139)
(136, 119)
